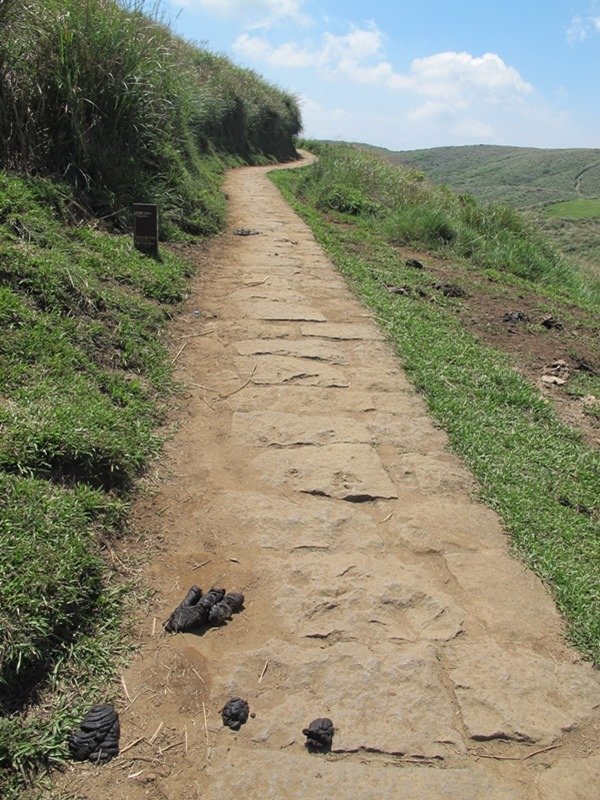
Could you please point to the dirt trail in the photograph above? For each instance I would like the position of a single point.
(379, 593)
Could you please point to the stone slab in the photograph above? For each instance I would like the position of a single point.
(275, 310)
(352, 597)
(314, 350)
(388, 699)
(315, 525)
(517, 695)
(446, 525)
(343, 330)
(351, 472)
(319, 399)
(571, 779)
(275, 370)
(276, 429)
(261, 773)
(507, 597)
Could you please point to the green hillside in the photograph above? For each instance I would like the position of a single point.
(520, 176)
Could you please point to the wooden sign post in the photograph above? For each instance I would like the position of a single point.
(145, 228)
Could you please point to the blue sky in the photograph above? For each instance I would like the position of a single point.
(406, 75)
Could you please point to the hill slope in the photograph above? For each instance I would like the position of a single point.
(521, 176)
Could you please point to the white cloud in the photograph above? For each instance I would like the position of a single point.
(582, 26)
(443, 81)
(261, 13)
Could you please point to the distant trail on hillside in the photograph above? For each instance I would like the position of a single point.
(578, 177)
(523, 177)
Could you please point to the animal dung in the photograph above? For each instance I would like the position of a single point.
(97, 738)
(550, 322)
(196, 609)
(225, 608)
(515, 316)
(319, 735)
(235, 713)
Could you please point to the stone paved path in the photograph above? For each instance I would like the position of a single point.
(380, 593)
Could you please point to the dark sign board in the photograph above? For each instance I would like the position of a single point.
(145, 228)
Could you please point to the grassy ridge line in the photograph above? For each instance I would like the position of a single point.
(534, 471)
(83, 382)
(103, 95)
(521, 176)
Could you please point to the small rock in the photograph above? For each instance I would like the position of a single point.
(559, 368)
(97, 738)
(405, 290)
(319, 735)
(235, 713)
(553, 380)
(412, 262)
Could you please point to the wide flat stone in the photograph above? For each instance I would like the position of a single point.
(316, 524)
(314, 350)
(437, 472)
(276, 310)
(343, 330)
(281, 293)
(288, 398)
(571, 779)
(273, 775)
(275, 370)
(350, 598)
(276, 429)
(350, 472)
(518, 695)
(389, 700)
(509, 599)
(409, 433)
(445, 524)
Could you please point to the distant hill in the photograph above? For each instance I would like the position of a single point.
(520, 176)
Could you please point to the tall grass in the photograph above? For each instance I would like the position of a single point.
(404, 208)
(102, 93)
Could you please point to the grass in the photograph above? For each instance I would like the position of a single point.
(406, 209)
(83, 380)
(534, 471)
(104, 96)
(519, 176)
(582, 208)
(525, 178)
